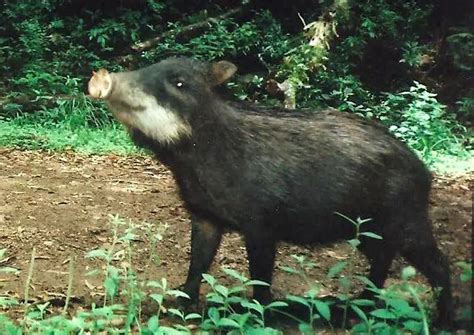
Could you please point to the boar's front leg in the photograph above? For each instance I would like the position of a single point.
(205, 239)
(261, 248)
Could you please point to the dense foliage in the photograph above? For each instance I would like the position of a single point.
(386, 60)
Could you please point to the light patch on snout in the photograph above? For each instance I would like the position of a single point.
(152, 119)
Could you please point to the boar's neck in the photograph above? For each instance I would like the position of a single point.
(215, 135)
(213, 152)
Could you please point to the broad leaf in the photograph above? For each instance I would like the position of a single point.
(383, 314)
(298, 300)
(371, 235)
(359, 312)
(323, 309)
(276, 304)
(234, 274)
(226, 322)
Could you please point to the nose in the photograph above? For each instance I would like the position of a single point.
(100, 84)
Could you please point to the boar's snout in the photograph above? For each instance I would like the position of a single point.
(100, 85)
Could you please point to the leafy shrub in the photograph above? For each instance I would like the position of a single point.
(227, 38)
(416, 117)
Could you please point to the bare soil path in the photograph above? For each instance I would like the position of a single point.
(60, 204)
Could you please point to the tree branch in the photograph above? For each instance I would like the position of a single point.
(193, 28)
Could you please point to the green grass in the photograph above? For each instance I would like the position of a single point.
(80, 125)
(110, 139)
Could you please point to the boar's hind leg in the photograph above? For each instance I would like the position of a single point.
(380, 256)
(205, 240)
(424, 254)
(261, 255)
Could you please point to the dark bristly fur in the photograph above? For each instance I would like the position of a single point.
(279, 175)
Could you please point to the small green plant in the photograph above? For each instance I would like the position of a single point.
(125, 292)
(120, 246)
(348, 281)
(412, 52)
(466, 276)
(466, 268)
(5, 300)
(106, 31)
(396, 313)
(154, 234)
(317, 308)
(390, 312)
(164, 292)
(230, 309)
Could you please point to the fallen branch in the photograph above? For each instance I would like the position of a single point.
(193, 28)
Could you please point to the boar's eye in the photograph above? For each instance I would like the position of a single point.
(178, 82)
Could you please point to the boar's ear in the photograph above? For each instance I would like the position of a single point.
(221, 71)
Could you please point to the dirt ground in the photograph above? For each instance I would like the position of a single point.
(60, 204)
